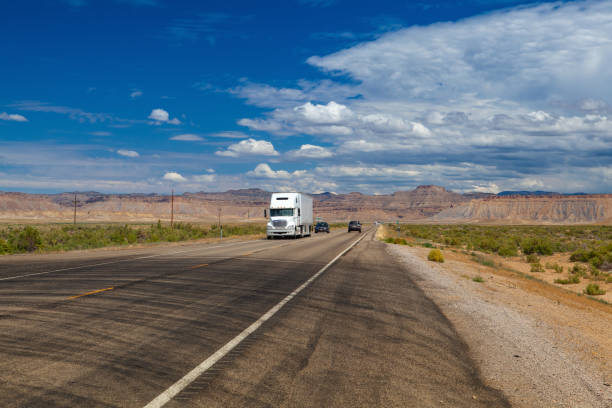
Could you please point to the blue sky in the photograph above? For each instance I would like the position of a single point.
(313, 95)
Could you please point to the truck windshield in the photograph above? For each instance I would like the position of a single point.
(281, 212)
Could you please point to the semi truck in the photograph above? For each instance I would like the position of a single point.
(290, 215)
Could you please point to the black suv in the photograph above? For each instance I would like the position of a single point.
(354, 226)
(322, 227)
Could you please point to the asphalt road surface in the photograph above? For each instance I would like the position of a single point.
(118, 328)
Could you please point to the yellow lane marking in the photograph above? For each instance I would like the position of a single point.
(198, 266)
(92, 292)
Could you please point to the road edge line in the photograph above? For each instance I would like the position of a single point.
(172, 391)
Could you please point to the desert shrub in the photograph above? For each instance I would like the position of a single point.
(532, 258)
(594, 290)
(478, 279)
(571, 279)
(67, 237)
(427, 245)
(536, 245)
(578, 270)
(400, 241)
(482, 260)
(435, 255)
(508, 250)
(5, 247)
(594, 271)
(597, 255)
(26, 240)
(581, 255)
(609, 279)
(554, 266)
(537, 267)
(390, 240)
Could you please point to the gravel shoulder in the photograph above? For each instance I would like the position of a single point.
(542, 346)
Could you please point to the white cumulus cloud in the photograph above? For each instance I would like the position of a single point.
(310, 152)
(205, 178)
(174, 177)
(332, 113)
(265, 171)
(187, 137)
(127, 153)
(12, 117)
(249, 147)
(162, 116)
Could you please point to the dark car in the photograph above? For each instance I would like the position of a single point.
(322, 227)
(354, 226)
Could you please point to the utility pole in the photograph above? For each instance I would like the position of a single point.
(172, 210)
(75, 205)
(219, 223)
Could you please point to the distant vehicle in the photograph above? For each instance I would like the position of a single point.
(354, 226)
(322, 227)
(290, 215)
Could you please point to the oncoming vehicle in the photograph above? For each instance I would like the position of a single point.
(322, 227)
(290, 215)
(354, 226)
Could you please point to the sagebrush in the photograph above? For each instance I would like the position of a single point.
(20, 239)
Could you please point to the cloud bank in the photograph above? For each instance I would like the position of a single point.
(518, 98)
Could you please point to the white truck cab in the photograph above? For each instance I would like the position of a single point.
(290, 215)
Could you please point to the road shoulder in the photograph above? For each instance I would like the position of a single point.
(538, 350)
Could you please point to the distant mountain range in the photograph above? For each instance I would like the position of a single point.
(535, 193)
(423, 204)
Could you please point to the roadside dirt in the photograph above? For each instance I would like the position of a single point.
(541, 345)
(518, 264)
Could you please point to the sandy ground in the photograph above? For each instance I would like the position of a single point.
(542, 346)
(519, 264)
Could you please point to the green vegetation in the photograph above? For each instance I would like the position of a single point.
(478, 279)
(554, 266)
(337, 225)
(398, 241)
(482, 260)
(588, 243)
(589, 246)
(43, 238)
(594, 290)
(435, 255)
(570, 280)
(596, 255)
(578, 270)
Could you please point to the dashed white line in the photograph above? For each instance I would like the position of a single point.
(165, 397)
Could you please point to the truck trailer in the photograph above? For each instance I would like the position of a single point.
(290, 215)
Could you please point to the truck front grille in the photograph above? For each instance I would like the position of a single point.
(279, 223)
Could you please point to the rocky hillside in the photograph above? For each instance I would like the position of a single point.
(420, 203)
(540, 209)
(235, 205)
(423, 204)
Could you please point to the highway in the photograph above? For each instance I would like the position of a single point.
(125, 327)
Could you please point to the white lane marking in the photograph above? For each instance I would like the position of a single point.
(165, 397)
(122, 260)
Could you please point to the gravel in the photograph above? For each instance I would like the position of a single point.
(523, 355)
